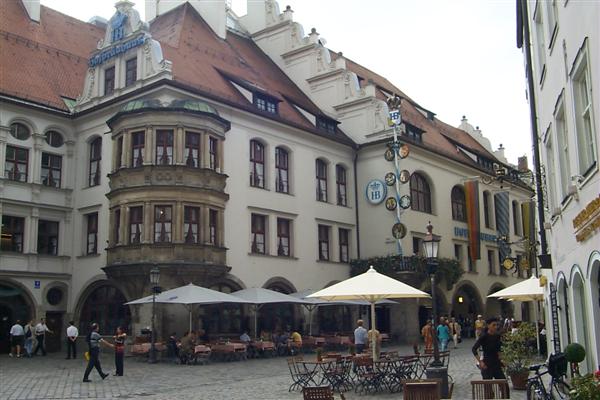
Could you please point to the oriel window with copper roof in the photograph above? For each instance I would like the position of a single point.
(164, 147)
(163, 219)
(192, 149)
(191, 224)
(138, 140)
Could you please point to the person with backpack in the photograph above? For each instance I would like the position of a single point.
(94, 339)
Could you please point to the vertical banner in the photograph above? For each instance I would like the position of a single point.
(473, 223)
(501, 205)
(528, 216)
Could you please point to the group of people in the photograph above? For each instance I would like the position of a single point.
(446, 330)
(23, 337)
(364, 338)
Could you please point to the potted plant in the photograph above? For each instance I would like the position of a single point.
(575, 354)
(585, 387)
(517, 351)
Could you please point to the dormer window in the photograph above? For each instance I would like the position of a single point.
(265, 103)
(326, 124)
(414, 134)
(485, 163)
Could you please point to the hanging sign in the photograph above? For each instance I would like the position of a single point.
(404, 176)
(390, 178)
(399, 230)
(376, 191)
(389, 155)
(391, 203)
(395, 117)
(404, 151)
(405, 202)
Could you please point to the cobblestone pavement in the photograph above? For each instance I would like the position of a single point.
(53, 377)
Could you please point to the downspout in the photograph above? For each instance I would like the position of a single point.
(356, 202)
(544, 257)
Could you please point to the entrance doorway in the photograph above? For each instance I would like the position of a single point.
(54, 320)
(13, 306)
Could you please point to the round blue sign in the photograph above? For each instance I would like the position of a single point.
(376, 191)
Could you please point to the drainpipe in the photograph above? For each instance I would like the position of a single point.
(356, 202)
(524, 41)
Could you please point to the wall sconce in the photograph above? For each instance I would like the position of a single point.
(460, 299)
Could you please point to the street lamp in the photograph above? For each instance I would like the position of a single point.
(154, 280)
(436, 369)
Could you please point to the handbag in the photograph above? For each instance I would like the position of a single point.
(86, 356)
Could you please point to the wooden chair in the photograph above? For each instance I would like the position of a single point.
(490, 389)
(319, 393)
(428, 389)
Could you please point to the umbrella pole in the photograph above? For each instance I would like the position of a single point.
(537, 334)
(374, 339)
(255, 321)
(190, 310)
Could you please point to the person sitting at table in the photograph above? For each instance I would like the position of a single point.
(266, 336)
(296, 342)
(188, 344)
(374, 338)
(173, 347)
(244, 337)
(281, 341)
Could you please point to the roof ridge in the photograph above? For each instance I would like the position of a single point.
(69, 16)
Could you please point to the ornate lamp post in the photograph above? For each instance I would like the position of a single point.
(154, 280)
(436, 369)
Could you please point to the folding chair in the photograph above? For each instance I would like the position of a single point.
(428, 389)
(490, 389)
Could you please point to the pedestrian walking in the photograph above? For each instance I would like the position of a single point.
(29, 338)
(72, 333)
(94, 339)
(455, 329)
(479, 325)
(427, 333)
(40, 334)
(491, 344)
(17, 335)
(360, 336)
(443, 334)
(119, 346)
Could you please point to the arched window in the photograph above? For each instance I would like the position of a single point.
(459, 207)
(95, 159)
(105, 306)
(340, 180)
(257, 164)
(19, 131)
(282, 170)
(420, 193)
(321, 167)
(54, 139)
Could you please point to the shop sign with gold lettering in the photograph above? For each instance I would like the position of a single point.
(587, 221)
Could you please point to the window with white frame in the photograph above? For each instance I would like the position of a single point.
(282, 170)
(258, 236)
(562, 141)
(321, 167)
(550, 173)
(92, 233)
(164, 147)
(324, 242)
(552, 20)
(582, 95)
(95, 160)
(541, 43)
(163, 219)
(257, 164)
(51, 169)
(340, 180)
(283, 237)
(344, 244)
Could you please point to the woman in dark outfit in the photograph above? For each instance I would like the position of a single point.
(491, 344)
(119, 337)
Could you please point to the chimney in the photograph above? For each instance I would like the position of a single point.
(98, 21)
(33, 9)
(523, 164)
(500, 153)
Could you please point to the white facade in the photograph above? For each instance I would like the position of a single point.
(566, 57)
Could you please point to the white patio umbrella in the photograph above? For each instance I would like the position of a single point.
(312, 303)
(370, 286)
(527, 290)
(260, 296)
(190, 295)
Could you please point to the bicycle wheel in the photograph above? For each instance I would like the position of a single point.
(561, 388)
(535, 391)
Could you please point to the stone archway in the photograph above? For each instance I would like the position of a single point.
(16, 303)
(466, 300)
(279, 317)
(104, 303)
(581, 323)
(593, 275)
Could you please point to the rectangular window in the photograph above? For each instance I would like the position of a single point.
(136, 224)
(164, 147)
(92, 233)
(340, 178)
(550, 174)
(95, 159)
(212, 226)
(130, 72)
(257, 164)
(109, 81)
(486, 209)
(323, 242)
(51, 170)
(192, 149)
(119, 152)
(582, 93)
(15, 164)
(282, 170)
(562, 141)
(47, 237)
(264, 103)
(213, 153)
(321, 180)
(191, 224)
(283, 237)
(12, 233)
(344, 245)
(162, 224)
(458, 253)
(325, 124)
(138, 142)
(490, 259)
(552, 24)
(413, 134)
(417, 246)
(541, 43)
(258, 234)
(117, 226)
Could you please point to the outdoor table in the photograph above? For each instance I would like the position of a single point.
(229, 351)
(318, 370)
(312, 342)
(263, 348)
(338, 341)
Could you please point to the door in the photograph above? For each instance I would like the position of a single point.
(6, 322)
(54, 320)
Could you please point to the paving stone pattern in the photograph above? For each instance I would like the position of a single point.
(53, 377)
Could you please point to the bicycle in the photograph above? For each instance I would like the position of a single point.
(556, 367)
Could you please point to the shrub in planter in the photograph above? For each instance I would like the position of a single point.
(517, 352)
(585, 387)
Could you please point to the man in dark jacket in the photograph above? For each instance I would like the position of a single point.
(491, 344)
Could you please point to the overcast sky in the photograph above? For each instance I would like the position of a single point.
(454, 57)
